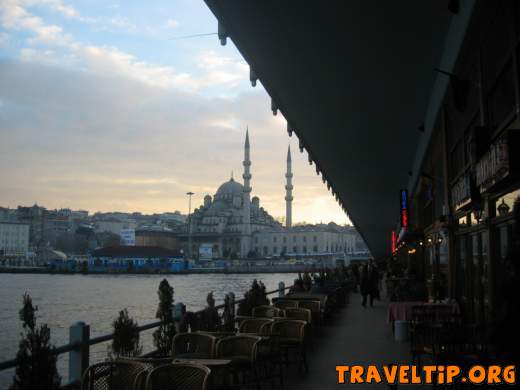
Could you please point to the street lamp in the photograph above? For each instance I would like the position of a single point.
(189, 222)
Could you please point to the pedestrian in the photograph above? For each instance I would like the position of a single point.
(369, 283)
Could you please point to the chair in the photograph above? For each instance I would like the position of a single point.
(291, 336)
(299, 313)
(267, 312)
(112, 375)
(259, 326)
(242, 351)
(283, 304)
(149, 363)
(314, 306)
(193, 345)
(178, 376)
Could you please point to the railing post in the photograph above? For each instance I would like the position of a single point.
(232, 303)
(281, 289)
(79, 357)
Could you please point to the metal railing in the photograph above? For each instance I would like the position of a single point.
(80, 341)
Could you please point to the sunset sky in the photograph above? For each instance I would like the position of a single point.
(105, 106)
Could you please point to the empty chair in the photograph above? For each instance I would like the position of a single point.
(178, 376)
(259, 326)
(291, 337)
(149, 364)
(299, 313)
(193, 345)
(285, 304)
(242, 351)
(314, 306)
(112, 375)
(267, 312)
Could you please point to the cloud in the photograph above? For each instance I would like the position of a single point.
(91, 140)
(172, 23)
(124, 24)
(4, 39)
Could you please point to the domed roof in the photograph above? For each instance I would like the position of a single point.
(230, 187)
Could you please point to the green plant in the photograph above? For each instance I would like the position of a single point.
(126, 337)
(36, 357)
(163, 336)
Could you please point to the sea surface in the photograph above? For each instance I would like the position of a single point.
(96, 299)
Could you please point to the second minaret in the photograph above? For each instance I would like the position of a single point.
(288, 191)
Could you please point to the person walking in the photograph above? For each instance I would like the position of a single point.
(369, 283)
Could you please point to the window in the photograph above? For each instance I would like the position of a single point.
(256, 240)
(304, 249)
(294, 249)
(315, 248)
(284, 240)
(275, 250)
(304, 238)
(314, 238)
(274, 239)
(294, 239)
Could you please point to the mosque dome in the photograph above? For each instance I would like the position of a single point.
(230, 187)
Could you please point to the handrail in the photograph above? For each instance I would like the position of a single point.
(100, 339)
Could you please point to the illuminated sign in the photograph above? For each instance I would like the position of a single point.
(394, 242)
(404, 208)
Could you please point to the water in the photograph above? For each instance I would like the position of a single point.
(97, 299)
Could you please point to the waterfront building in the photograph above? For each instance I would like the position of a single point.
(14, 240)
(157, 236)
(128, 258)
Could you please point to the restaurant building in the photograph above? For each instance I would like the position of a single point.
(459, 236)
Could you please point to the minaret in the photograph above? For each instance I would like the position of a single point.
(246, 241)
(288, 191)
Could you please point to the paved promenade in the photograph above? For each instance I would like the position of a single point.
(356, 336)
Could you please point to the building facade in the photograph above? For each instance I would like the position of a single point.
(461, 230)
(14, 239)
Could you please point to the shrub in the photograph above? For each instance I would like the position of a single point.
(126, 337)
(163, 336)
(36, 357)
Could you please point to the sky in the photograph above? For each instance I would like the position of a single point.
(109, 106)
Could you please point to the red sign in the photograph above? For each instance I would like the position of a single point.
(394, 241)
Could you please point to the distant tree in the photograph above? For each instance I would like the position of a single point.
(36, 357)
(163, 336)
(126, 337)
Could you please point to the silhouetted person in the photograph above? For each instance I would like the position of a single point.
(369, 282)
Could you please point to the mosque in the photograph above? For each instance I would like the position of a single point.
(234, 225)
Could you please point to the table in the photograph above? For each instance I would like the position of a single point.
(402, 311)
(218, 363)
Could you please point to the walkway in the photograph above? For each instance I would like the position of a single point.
(356, 336)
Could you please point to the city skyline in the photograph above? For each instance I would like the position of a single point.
(104, 107)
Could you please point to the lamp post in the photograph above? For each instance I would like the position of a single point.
(189, 222)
